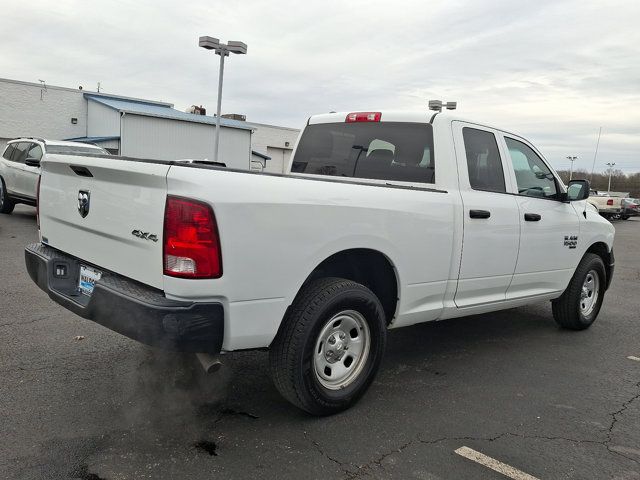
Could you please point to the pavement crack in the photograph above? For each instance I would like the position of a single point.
(18, 323)
(376, 462)
(322, 452)
(615, 418)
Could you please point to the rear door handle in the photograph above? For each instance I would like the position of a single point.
(479, 213)
(532, 217)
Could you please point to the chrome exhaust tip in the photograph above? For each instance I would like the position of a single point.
(210, 363)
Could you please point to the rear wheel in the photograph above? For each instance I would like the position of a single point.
(6, 204)
(580, 303)
(329, 347)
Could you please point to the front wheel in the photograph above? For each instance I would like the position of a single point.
(580, 303)
(329, 347)
(6, 204)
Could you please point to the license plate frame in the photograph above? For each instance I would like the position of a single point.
(87, 278)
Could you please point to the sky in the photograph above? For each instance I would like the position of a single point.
(553, 71)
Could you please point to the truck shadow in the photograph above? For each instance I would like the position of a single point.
(419, 354)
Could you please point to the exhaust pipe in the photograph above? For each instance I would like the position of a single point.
(210, 363)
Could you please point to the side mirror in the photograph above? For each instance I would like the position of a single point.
(32, 162)
(577, 190)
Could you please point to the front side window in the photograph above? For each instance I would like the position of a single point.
(20, 153)
(483, 160)
(376, 150)
(533, 177)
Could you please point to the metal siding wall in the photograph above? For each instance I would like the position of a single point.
(102, 121)
(166, 139)
(23, 113)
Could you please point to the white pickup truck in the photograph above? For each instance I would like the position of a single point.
(386, 219)
(607, 206)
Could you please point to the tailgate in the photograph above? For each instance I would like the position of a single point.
(126, 199)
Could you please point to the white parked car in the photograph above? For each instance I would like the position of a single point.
(386, 219)
(20, 167)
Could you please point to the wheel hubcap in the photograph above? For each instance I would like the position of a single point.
(342, 349)
(590, 292)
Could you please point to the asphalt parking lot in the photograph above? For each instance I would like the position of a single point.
(81, 402)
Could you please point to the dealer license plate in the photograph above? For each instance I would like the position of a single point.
(88, 278)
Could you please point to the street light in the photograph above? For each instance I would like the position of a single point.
(211, 43)
(571, 159)
(610, 172)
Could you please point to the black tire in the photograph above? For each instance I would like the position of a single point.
(6, 204)
(291, 355)
(567, 310)
(625, 217)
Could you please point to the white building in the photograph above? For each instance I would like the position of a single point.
(136, 127)
(275, 142)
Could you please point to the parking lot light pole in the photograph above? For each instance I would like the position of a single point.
(571, 159)
(211, 43)
(611, 165)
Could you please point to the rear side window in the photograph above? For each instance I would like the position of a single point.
(378, 150)
(483, 160)
(8, 151)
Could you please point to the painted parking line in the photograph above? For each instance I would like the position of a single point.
(631, 357)
(494, 464)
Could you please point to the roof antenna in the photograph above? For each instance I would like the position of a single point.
(43, 89)
(437, 105)
(593, 167)
(98, 87)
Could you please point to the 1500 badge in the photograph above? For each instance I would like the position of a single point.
(571, 241)
(145, 235)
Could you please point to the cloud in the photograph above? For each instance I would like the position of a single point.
(555, 71)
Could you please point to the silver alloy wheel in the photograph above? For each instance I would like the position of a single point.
(341, 350)
(590, 292)
(1, 194)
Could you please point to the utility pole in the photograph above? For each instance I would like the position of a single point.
(610, 172)
(571, 159)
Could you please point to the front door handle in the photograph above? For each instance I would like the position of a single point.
(479, 213)
(532, 217)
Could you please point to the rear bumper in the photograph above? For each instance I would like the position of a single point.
(128, 307)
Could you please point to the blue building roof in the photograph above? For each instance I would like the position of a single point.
(156, 110)
(92, 139)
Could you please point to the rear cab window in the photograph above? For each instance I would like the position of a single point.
(394, 151)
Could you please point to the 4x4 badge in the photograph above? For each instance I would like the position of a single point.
(84, 202)
(145, 235)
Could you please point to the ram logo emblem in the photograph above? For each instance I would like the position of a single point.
(145, 235)
(84, 202)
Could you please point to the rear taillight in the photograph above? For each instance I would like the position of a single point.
(191, 241)
(610, 201)
(38, 202)
(363, 117)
